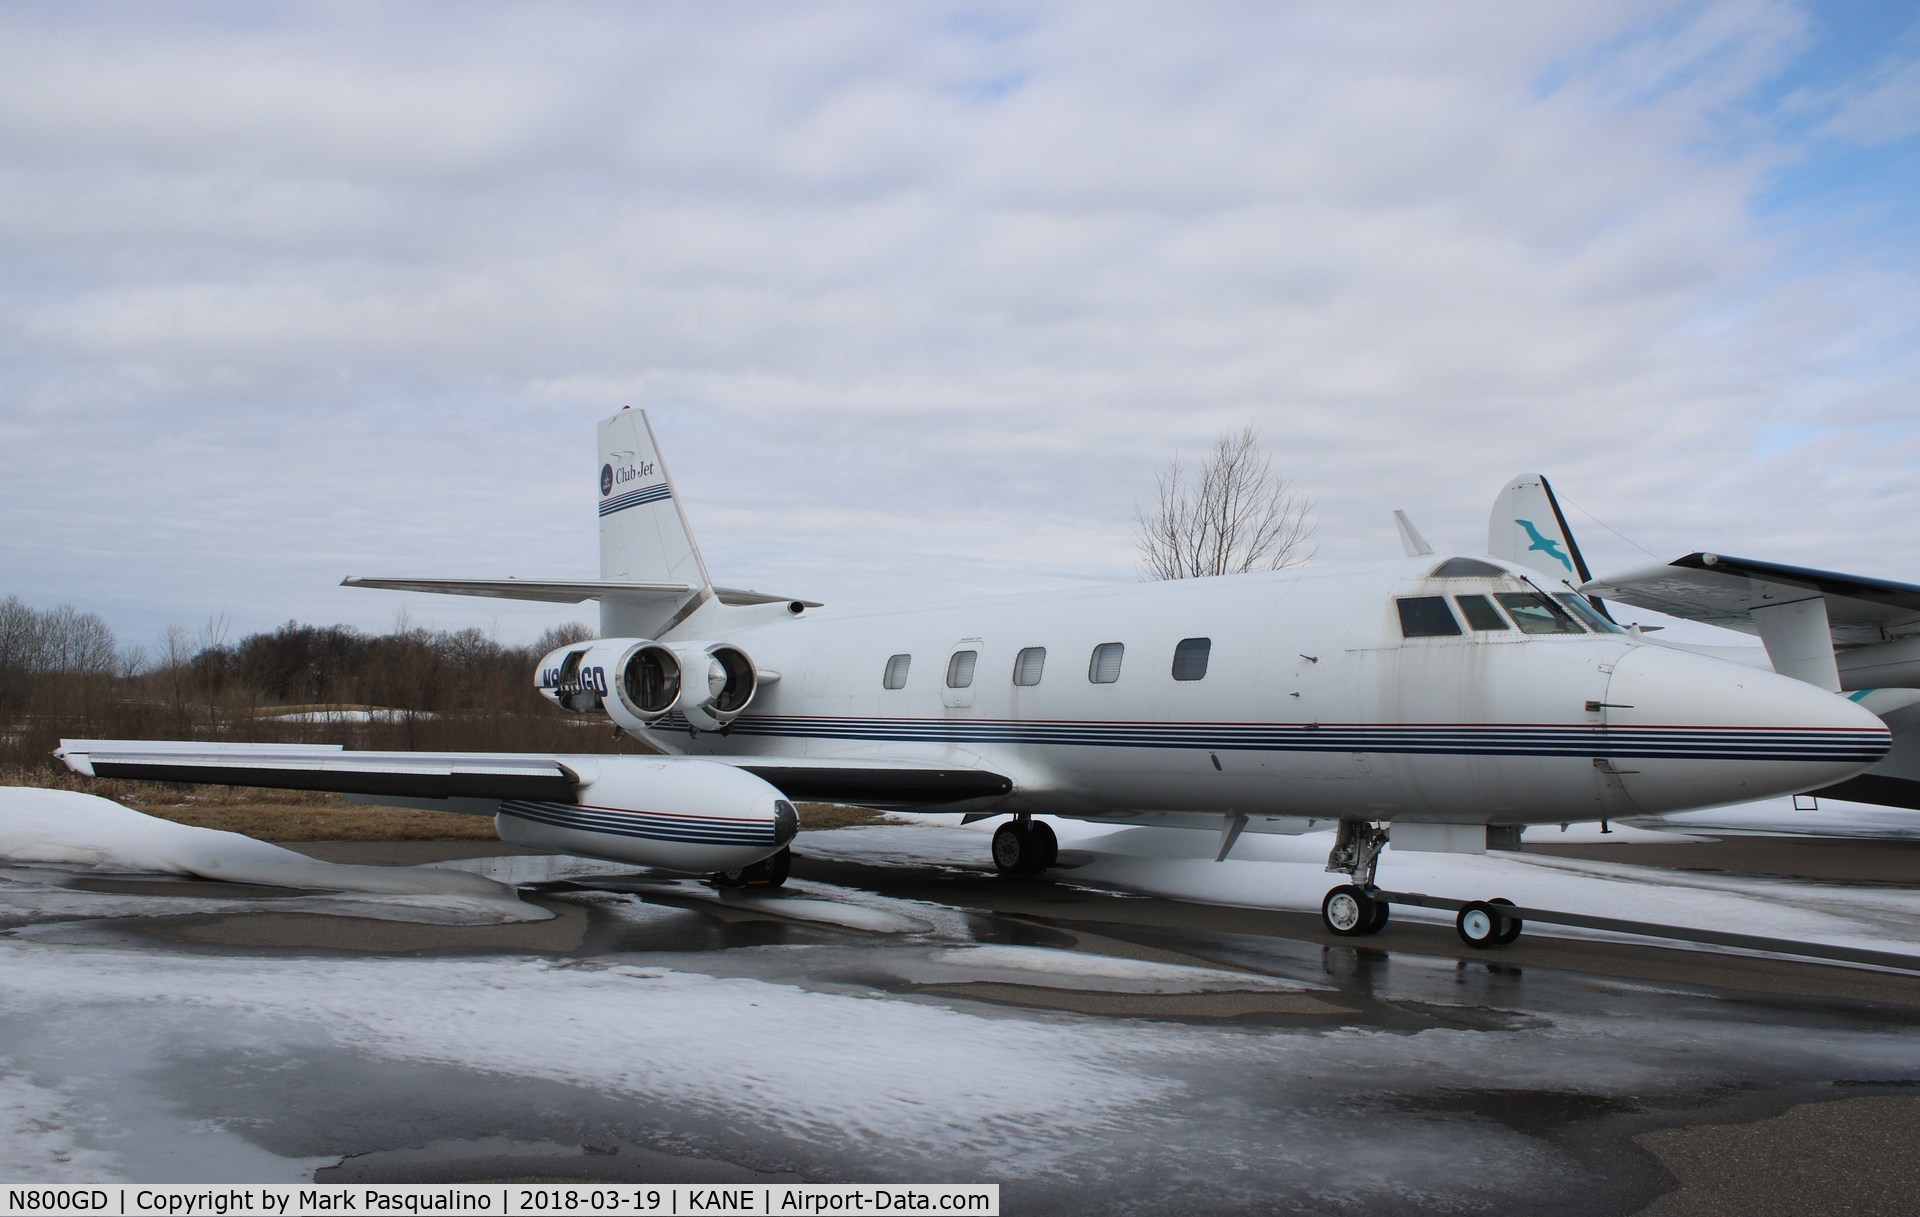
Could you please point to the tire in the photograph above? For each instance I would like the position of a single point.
(1015, 851)
(728, 880)
(1510, 927)
(773, 871)
(1379, 921)
(1477, 924)
(1048, 843)
(1348, 912)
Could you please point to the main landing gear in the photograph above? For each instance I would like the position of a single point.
(768, 872)
(1024, 846)
(1358, 908)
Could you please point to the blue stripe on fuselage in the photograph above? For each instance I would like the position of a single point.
(1445, 739)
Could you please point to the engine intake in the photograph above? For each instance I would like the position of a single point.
(637, 681)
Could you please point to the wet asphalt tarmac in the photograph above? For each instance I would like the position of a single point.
(1408, 1074)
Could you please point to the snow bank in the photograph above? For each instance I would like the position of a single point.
(67, 828)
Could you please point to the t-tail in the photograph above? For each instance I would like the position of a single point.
(652, 580)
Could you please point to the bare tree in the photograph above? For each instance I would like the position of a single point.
(1234, 515)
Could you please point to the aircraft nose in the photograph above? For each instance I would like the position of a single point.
(1686, 731)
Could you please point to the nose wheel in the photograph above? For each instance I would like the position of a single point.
(1352, 911)
(1482, 924)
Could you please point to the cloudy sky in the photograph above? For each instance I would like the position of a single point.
(920, 295)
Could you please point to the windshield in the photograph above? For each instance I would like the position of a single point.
(1582, 608)
(1534, 613)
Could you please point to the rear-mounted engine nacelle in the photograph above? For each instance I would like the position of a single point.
(715, 680)
(636, 681)
(611, 676)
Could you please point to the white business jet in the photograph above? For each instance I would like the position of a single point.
(1439, 698)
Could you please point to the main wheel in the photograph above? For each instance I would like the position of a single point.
(771, 872)
(1350, 912)
(727, 880)
(1478, 924)
(1016, 850)
(1510, 927)
(1048, 843)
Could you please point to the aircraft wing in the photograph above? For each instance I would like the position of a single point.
(566, 591)
(462, 778)
(413, 775)
(1725, 591)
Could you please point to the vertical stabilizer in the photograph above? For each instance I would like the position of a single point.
(644, 536)
(1526, 527)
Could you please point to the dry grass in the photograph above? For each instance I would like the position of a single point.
(306, 815)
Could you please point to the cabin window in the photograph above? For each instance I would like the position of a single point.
(1534, 613)
(1028, 664)
(1481, 614)
(1190, 658)
(1426, 617)
(1583, 608)
(960, 669)
(1104, 667)
(896, 677)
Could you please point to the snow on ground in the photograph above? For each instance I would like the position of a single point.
(64, 828)
(1048, 967)
(1832, 818)
(846, 1067)
(38, 1134)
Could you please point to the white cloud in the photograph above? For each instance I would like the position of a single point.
(915, 293)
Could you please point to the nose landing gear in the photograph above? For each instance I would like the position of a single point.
(1360, 907)
(1356, 908)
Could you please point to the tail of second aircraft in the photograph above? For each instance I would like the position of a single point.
(1527, 527)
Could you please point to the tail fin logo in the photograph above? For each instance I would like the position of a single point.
(1545, 545)
(606, 479)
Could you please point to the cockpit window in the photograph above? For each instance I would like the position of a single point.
(1534, 613)
(1426, 617)
(1583, 608)
(1466, 568)
(1481, 614)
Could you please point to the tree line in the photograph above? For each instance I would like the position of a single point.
(64, 674)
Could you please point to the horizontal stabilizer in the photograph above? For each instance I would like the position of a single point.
(568, 591)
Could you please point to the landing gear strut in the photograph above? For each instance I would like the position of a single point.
(1356, 908)
(768, 872)
(1024, 846)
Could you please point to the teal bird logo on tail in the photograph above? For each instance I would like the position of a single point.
(1545, 545)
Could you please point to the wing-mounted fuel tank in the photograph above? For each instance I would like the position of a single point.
(636, 681)
(686, 815)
